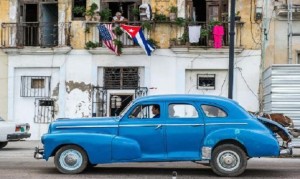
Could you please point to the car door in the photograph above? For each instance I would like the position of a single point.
(184, 131)
(141, 126)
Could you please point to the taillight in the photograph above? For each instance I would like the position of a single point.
(18, 128)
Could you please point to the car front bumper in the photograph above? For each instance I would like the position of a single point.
(18, 136)
(38, 153)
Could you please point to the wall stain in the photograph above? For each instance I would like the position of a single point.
(55, 91)
(71, 85)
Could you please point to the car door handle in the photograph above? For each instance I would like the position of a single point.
(158, 126)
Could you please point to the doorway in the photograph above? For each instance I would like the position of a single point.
(31, 26)
(118, 102)
(49, 25)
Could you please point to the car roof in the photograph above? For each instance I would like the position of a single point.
(188, 97)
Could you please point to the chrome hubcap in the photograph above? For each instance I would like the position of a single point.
(228, 160)
(70, 159)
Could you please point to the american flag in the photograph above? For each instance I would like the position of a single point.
(107, 36)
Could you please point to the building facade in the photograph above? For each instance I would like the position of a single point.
(57, 66)
(281, 58)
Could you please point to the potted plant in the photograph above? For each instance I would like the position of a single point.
(118, 31)
(136, 13)
(180, 21)
(173, 13)
(146, 25)
(119, 44)
(78, 11)
(237, 16)
(90, 45)
(160, 17)
(105, 14)
(89, 13)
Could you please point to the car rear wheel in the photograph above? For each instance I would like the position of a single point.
(3, 144)
(70, 159)
(228, 160)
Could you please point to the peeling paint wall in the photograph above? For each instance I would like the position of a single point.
(251, 30)
(276, 35)
(79, 95)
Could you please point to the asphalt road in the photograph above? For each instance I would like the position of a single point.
(16, 161)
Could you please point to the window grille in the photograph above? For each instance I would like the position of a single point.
(35, 86)
(121, 78)
(206, 81)
(99, 102)
(44, 110)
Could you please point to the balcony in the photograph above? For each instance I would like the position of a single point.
(178, 35)
(92, 34)
(35, 34)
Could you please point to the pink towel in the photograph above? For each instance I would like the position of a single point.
(218, 32)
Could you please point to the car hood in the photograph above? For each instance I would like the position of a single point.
(276, 128)
(87, 125)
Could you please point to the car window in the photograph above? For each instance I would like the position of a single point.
(213, 111)
(145, 111)
(182, 111)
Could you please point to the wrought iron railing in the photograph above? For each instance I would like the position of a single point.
(179, 34)
(181, 37)
(92, 34)
(35, 34)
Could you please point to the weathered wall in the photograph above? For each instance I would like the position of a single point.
(275, 46)
(163, 73)
(3, 85)
(4, 17)
(4, 13)
(251, 30)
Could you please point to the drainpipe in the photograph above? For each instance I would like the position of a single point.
(231, 49)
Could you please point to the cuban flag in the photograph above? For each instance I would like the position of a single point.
(136, 33)
(108, 37)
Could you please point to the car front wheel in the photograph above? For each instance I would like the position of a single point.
(70, 159)
(228, 160)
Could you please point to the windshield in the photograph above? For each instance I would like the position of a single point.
(123, 112)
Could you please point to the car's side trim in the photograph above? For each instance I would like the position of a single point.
(96, 126)
(154, 125)
(214, 124)
(146, 125)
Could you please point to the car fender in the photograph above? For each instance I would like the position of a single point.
(257, 143)
(124, 149)
(97, 146)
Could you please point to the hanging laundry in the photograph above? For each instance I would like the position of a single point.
(194, 34)
(218, 32)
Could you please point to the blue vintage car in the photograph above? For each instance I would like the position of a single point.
(166, 128)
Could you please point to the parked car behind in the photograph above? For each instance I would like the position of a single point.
(11, 131)
(184, 128)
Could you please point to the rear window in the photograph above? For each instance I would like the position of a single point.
(213, 111)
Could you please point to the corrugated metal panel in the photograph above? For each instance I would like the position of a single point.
(281, 85)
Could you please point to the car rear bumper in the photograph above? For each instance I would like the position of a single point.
(17, 136)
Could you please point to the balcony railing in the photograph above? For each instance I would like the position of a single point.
(92, 34)
(179, 35)
(18, 35)
(206, 35)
